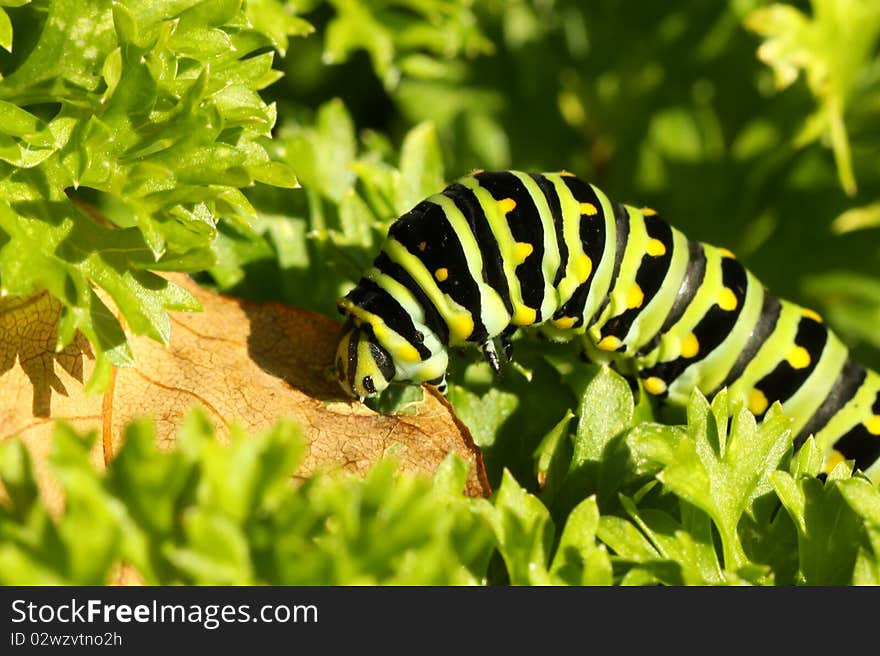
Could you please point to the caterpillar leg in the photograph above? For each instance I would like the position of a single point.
(490, 349)
(440, 384)
(506, 344)
(491, 355)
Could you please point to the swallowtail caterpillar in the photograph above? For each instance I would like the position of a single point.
(497, 251)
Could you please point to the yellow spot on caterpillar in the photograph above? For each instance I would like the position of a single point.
(812, 314)
(690, 346)
(523, 315)
(647, 211)
(589, 209)
(832, 460)
(461, 326)
(441, 274)
(873, 425)
(654, 385)
(799, 358)
(727, 300)
(727, 253)
(634, 297)
(521, 251)
(566, 174)
(506, 205)
(407, 353)
(656, 248)
(583, 267)
(477, 171)
(564, 322)
(422, 246)
(758, 402)
(609, 343)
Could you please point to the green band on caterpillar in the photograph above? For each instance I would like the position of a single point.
(501, 250)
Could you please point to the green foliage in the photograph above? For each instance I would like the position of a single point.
(713, 502)
(795, 41)
(127, 129)
(209, 513)
(718, 501)
(401, 38)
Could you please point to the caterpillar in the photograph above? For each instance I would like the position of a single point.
(496, 251)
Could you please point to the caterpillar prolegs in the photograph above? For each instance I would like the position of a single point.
(498, 251)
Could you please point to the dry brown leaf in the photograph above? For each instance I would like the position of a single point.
(249, 363)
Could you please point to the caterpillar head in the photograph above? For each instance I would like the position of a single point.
(369, 358)
(363, 366)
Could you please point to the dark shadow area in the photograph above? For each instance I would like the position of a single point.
(295, 345)
(605, 477)
(769, 537)
(526, 408)
(29, 330)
